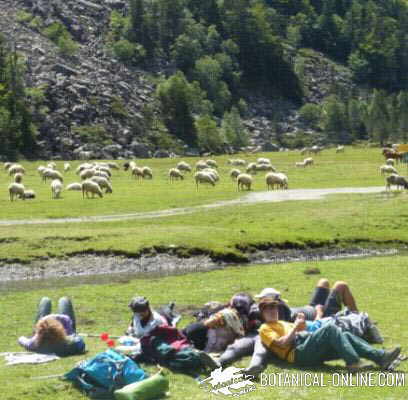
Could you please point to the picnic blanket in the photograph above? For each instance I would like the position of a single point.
(28, 358)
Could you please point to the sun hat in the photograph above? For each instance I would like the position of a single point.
(270, 293)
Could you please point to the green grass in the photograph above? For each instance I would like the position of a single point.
(357, 167)
(379, 285)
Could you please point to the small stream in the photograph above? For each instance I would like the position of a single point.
(97, 269)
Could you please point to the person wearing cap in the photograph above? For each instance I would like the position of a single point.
(144, 319)
(289, 341)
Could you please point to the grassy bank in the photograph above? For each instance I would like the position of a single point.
(378, 283)
(344, 220)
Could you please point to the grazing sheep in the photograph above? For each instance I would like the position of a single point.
(16, 190)
(29, 194)
(51, 165)
(56, 188)
(340, 149)
(263, 161)
(200, 165)
(137, 172)
(234, 173)
(237, 162)
(390, 161)
(74, 186)
(204, 177)
(92, 187)
(113, 165)
(82, 167)
(213, 172)
(251, 168)
(147, 173)
(175, 174)
(212, 163)
(244, 181)
(106, 170)
(388, 169)
(315, 149)
(103, 183)
(183, 166)
(264, 167)
(300, 164)
(18, 177)
(67, 167)
(51, 174)
(308, 161)
(396, 180)
(15, 168)
(87, 173)
(102, 174)
(279, 179)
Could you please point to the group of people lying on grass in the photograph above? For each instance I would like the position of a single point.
(224, 333)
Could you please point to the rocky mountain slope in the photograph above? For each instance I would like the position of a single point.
(84, 92)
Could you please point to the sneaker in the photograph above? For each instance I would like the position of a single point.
(389, 357)
(208, 361)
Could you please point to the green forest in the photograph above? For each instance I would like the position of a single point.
(206, 56)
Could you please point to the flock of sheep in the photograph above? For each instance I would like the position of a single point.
(95, 178)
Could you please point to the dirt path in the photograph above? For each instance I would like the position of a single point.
(250, 198)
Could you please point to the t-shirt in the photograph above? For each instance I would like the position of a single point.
(269, 332)
(154, 321)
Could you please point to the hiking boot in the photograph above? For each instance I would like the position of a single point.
(389, 357)
(208, 361)
(254, 370)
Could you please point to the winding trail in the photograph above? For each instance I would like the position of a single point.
(250, 198)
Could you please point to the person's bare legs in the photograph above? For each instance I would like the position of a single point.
(347, 297)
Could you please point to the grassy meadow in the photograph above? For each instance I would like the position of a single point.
(379, 285)
(337, 219)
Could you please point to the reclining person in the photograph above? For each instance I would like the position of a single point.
(290, 342)
(54, 333)
(144, 319)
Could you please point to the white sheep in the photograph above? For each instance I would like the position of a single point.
(82, 167)
(237, 162)
(74, 186)
(16, 168)
(213, 172)
(244, 181)
(16, 190)
(175, 174)
(308, 161)
(103, 183)
(56, 188)
(51, 174)
(29, 194)
(67, 167)
(263, 161)
(203, 177)
(183, 166)
(113, 165)
(200, 165)
(340, 149)
(147, 173)
(92, 187)
(388, 169)
(265, 167)
(300, 164)
(101, 174)
(129, 165)
(396, 180)
(212, 163)
(105, 169)
(251, 168)
(390, 161)
(234, 173)
(87, 173)
(52, 165)
(279, 179)
(137, 172)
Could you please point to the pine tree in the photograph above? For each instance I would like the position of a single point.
(378, 118)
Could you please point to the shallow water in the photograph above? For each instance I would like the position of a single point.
(93, 269)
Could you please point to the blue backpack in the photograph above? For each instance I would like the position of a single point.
(101, 375)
